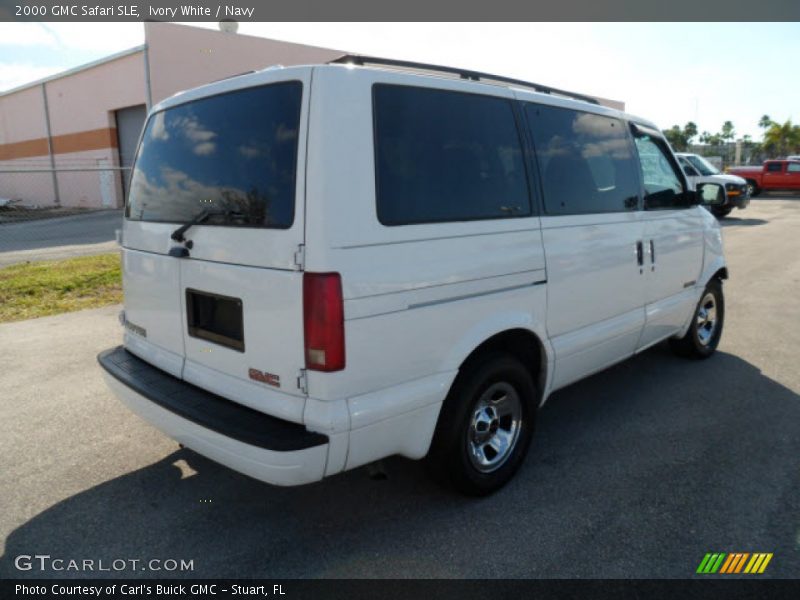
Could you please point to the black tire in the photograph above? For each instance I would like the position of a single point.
(485, 379)
(754, 189)
(721, 213)
(694, 344)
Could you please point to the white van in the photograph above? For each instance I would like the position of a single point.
(327, 265)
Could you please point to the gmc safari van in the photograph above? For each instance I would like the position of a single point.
(327, 265)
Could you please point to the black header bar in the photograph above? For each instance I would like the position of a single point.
(405, 589)
(401, 10)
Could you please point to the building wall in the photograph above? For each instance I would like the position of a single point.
(82, 107)
(83, 103)
(616, 104)
(83, 129)
(183, 57)
(22, 124)
(82, 120)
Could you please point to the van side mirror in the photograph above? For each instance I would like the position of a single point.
(710, 194)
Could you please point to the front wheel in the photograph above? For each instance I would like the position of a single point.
(705, 330)
(721, 213)
(753, 188)
(485, 426)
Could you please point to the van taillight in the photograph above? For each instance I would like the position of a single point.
(323, 321)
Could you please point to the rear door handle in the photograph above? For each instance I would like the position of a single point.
(639, 253)
(652, 253)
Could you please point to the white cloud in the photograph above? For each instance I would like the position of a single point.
(186, 195)
(15, 74)
(204, 149)
(249, 151)
(66, 45)
(105, 38)
(159, 131)
(197, 134)
(26, 34)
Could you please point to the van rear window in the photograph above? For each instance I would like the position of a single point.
(233, 155)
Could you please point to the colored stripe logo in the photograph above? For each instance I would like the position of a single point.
(734, 562)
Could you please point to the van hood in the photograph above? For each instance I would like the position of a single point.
(722, 178)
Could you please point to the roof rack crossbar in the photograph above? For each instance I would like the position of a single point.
(361, 60)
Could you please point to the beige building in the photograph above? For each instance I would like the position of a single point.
(63, 139)
(67, 140)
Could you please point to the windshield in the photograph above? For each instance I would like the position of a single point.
(234, 155)
(702, 165)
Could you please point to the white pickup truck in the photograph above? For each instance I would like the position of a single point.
(736, 193)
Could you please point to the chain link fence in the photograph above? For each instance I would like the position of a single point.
(725, 155)
(32, 190)
(34, 198)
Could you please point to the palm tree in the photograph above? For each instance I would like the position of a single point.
(764, 122)
(728, 132)
(782, 139)
(676, 138)
(689, 131)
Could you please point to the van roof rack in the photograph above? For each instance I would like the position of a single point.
(361, 60)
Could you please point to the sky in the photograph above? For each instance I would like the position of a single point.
(669, 73)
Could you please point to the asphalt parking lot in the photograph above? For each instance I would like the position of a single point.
(61, 237)
(636, 472)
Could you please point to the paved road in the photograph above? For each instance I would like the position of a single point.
(635, 472)
(62, 237)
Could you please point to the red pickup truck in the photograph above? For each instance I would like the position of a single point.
(781, 175)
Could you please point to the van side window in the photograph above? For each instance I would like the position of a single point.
(663, 188)
(446, 156)
(688, 168)
(585, 161)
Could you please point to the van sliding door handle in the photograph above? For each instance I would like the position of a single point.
(639, 253)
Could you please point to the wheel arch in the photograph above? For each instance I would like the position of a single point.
(524, 344)
(717, 269)
(721, 273)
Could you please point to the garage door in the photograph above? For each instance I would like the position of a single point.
(129, 126)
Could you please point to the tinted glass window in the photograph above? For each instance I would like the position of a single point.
(774, 167)
(446, 156)
(662, 185)
(702, 165)
(235, 153)
(585, 161)
(687, 167)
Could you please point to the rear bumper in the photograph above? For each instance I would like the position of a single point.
(258, 445)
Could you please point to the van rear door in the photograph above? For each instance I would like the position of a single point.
(226, 295)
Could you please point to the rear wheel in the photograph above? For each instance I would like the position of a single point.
(705, 330)
(485, 426)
